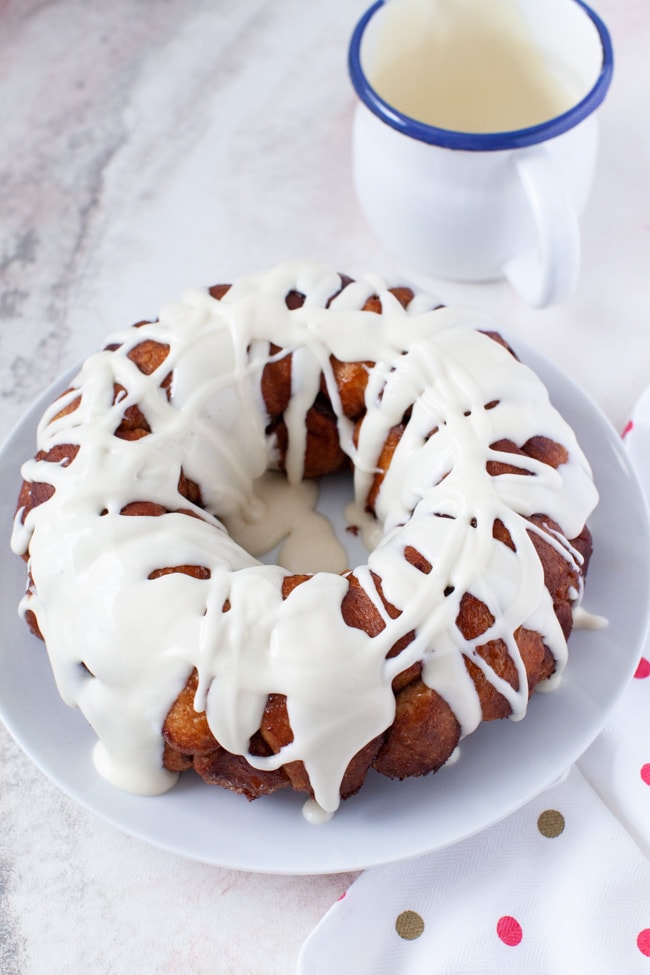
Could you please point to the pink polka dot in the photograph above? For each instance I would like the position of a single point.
(645, 773)
(643, 670)
(628, 427)
(643, 942)
(509, 930)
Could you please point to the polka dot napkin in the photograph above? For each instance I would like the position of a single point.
(561, 887)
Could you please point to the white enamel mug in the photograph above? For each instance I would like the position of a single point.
(476, 206)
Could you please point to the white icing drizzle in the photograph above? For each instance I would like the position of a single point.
(122, 645)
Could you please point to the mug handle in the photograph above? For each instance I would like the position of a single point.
(548, 272)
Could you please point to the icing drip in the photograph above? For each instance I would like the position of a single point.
(582, 620)
(123, 640)
(315, 814)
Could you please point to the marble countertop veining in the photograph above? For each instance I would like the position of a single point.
(147, 146)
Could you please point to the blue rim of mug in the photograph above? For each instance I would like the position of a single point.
(480, 141)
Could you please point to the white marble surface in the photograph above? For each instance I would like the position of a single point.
(147, 146)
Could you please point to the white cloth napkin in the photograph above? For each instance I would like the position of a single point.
(561, 887)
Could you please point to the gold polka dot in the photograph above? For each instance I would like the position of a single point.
(550, 823)
(409, 925)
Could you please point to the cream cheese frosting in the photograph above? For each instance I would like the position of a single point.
(122, 644)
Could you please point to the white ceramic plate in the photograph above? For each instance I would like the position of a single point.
(502, 766)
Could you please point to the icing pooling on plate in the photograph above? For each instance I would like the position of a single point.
(286, 515)
(122, 644)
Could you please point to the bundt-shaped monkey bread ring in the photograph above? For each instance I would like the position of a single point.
(184, 651)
